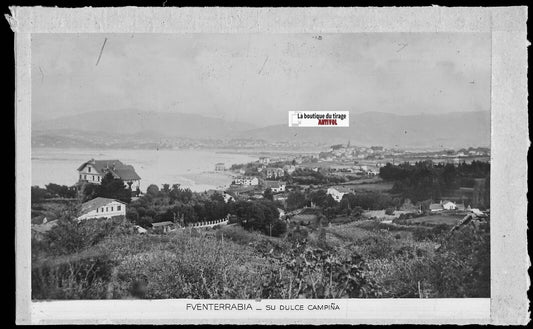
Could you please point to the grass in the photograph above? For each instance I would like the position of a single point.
(232, 263)
(435, 220)
(372, 187)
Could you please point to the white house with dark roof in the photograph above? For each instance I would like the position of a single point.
(93, 171)
(102, 207)
(337, 192)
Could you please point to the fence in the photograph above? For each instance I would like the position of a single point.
(209, 224)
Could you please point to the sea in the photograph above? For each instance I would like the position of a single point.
(192, 169)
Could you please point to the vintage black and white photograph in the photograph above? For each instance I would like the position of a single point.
(163, 166)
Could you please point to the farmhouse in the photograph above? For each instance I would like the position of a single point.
(275, 186)
(163, 227)
(448, 205)
(102, 207)
(246, 180)
(93, 171)
(337, 192)
(435, 207)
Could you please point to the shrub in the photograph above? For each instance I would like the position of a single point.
(78, 276)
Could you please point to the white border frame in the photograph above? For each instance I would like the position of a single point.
(509, 146)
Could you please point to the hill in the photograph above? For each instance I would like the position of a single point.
(453, 130)
(129, 122)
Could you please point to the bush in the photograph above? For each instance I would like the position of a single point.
(192, 268)
(70, 235)
(79, 276)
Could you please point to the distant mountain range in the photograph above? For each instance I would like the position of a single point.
(454, 130)
(128, 122)
(449, 130)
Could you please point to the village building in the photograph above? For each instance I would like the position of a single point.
(140, 229)
(163, 227)
(274, 172)
(102, 208)
(275, 186)
(337, 192)
(227, 197)
(436, 207)
(448, 205)
(289, 169)
(93, 171)
(264, 160)
(246, 180)
(220, 166)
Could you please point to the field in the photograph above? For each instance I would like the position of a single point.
(436, 220)
(351, 259)
(371, 187)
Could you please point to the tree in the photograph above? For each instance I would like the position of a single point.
(61, 191)
(152, 190)
(295, 200)
(38, 194)
(267, 194)
(114, 188)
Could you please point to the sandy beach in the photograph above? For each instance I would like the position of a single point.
(210, 180)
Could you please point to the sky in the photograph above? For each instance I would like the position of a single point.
(257, 78)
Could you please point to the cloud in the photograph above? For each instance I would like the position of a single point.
(259, 77)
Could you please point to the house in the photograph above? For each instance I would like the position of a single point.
(93, 171)
(435, 207)
(220, 166)
(163, 227)
(264, 160)
(373, 172)
(246, 180)
(275, 186)
(337, 192)
(448, 205)
(289, 169)
(227, 197)
(274, 172)
(140, 229)
(102, 207)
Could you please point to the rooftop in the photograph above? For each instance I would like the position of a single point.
(96, 203)
(123, 171)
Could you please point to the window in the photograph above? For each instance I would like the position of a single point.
(93, 177)
(96, 209)
(111, 208)
(89, 169)
(106, 209)
(118, 208)
(84, 176)
(81, 177)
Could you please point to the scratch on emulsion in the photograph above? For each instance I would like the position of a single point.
(101, 50)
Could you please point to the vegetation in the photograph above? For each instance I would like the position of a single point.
(330, 251)
(110, 187)
(425, 180)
